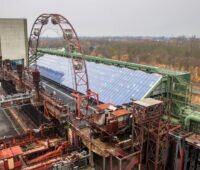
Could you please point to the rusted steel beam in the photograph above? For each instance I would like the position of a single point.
(169, 130)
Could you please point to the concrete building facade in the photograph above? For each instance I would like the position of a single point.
(13, 39)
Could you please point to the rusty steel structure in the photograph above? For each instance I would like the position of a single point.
(147, 114)
(27, 82)
(73, 44)
(40, 150)
(129, 136)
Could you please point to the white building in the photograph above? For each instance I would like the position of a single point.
(13, 39)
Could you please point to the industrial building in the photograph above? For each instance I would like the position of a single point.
(74, 111)
(13, 39)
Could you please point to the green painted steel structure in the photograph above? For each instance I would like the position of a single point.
(175, 87)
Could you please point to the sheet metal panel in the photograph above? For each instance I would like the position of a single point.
(114, 84)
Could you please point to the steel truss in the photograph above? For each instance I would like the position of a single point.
(147, 115)
(73, 44)
(71, 40)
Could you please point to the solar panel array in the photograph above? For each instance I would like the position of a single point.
(114, 84)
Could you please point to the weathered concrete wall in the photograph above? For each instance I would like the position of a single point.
(13, 35)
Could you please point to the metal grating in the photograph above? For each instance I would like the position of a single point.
(114, 84)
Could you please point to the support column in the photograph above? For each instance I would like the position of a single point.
(120, 165)
(91, 159)
(111, 162)
(104, 163)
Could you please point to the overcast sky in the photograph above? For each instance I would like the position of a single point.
(114, 17)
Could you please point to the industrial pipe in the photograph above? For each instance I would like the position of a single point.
(190, 118)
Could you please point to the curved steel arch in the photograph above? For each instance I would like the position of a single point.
(72, 41)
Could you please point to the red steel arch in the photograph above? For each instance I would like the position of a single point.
(72, 42)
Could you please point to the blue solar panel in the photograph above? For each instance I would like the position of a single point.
(114, 84)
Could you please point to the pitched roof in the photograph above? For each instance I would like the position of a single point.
(114, 84)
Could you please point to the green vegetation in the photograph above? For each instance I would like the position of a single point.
(170, 53)
(174, 53)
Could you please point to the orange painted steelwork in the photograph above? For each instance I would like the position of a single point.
(80, 98)
(10, 152)
(104, 106)
(120, 112)
(49, 155)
